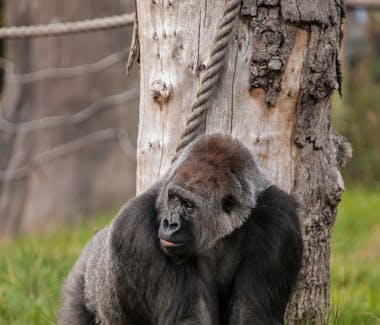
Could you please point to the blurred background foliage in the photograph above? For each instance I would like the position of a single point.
(357, 114)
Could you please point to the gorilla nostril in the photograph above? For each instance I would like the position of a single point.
(174, 226)
(169, 228)
(165, 224)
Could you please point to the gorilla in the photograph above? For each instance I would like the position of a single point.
(213, 242)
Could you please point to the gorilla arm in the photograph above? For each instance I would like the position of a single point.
(273, 255)
(170, 293)
(122, 276)
(74, 308)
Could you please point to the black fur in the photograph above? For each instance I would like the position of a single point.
(124, 276)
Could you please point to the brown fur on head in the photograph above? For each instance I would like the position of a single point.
(210, 164)
(219, 174)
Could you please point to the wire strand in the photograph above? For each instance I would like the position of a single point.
(67, 28)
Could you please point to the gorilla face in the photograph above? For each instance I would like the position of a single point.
(176, 229)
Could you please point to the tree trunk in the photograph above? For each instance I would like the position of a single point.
(83, 180)
(274, 95)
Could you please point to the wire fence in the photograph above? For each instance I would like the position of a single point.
(56, 29)
(18, 80)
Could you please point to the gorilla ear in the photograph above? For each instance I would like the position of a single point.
(228, 203)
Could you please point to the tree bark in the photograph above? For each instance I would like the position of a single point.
(274, 95)
(82, 182)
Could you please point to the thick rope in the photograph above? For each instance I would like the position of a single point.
(67, 28)
(210, 76)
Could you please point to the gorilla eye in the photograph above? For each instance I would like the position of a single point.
(174, 199)
(228, 203)
(189, 207)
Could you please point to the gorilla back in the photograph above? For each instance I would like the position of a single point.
(213, 242)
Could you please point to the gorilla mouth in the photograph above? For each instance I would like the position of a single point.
(167, 243)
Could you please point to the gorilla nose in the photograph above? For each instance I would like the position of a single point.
(168, 228)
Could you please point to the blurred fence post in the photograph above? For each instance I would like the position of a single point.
(65, 99)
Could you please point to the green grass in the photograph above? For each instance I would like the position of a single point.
(32, 268)
(355, 259)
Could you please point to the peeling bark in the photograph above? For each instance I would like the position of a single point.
(319, 12)
(318, 184)
(272, 43)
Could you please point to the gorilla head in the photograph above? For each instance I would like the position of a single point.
(208, 194)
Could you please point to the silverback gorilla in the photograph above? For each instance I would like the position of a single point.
(213, 242)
